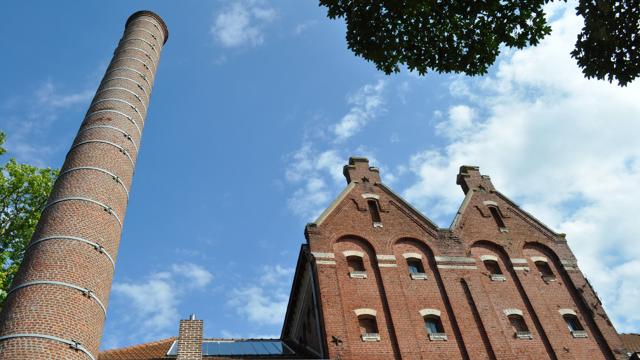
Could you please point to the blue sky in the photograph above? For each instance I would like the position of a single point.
(257, 106)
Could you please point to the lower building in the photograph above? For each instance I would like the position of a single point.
(376, 279)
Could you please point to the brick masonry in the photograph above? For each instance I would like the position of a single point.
(473, 308)
(56, 308)
(190, 339)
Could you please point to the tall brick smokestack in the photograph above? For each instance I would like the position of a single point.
(57, 305)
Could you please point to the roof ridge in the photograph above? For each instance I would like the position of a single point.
(173, 338)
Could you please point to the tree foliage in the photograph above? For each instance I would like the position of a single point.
(608, 46)
(466, 36)
(24, 190)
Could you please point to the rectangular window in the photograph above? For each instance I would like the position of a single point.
(374, 211)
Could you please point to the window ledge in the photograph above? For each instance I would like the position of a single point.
(370, 337)
(504, 230)
(377, 224)
(498, 277)
(549, 278)
(524, 335)
(438, 337)
(579, 334)
(419, 276)
(358, 274)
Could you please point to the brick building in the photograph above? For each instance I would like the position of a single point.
(376, 279)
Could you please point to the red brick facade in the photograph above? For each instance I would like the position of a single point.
(516, 310)
(57, 305)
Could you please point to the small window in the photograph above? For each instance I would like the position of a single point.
(415, 266)
(497, 217)
(574, 325)
(545, 270)
(434, 327)
(492, 267)
(374, 211)
(495, 273)
(368, 328)
(519, 326)
(356, 267)
(572, 322)
(355, 263)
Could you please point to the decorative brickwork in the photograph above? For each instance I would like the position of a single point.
(57, 305)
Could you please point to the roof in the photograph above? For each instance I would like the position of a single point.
(631, 342)
(149, 351)
(273, 349)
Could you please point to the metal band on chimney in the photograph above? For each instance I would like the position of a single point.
(109, 127)
(144, 30)
(120, 101)
(86, 292)
(106, 208)
(153, 47)
(146, 54)
(95, 245)
(119, 113)
(120, 88)
(134, 59)
(73, 344)
(115, 177)
(138, 85)
(121, 68)
(120, 148)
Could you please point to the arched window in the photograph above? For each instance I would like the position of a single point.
(492, 266)
(519, 326)
(356, 267)
(416, 270)
(434, 327)
(433, 324)
(574, 325)
(497, 217)
(374, 211)
(545, 270)
(368, 327)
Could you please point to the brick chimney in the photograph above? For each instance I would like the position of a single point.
(190, 339)
(58, 301)
(469, 178)
(359, 170)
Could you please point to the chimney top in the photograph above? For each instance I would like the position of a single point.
(163, 26)
(192, 317)
(359, 170)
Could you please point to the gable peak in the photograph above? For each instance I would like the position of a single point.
(358, 170)
(470, 178)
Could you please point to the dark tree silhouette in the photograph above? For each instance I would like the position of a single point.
(465, 36)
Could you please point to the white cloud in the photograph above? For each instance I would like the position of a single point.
(265, 301)
(47, 95)
(152, 304)
(305, 26)
(459, 124)
(316, 173)
(242, 23)
(27, 119)
(564, 147)
(198, 276)
(316, 176)
(367, 103)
